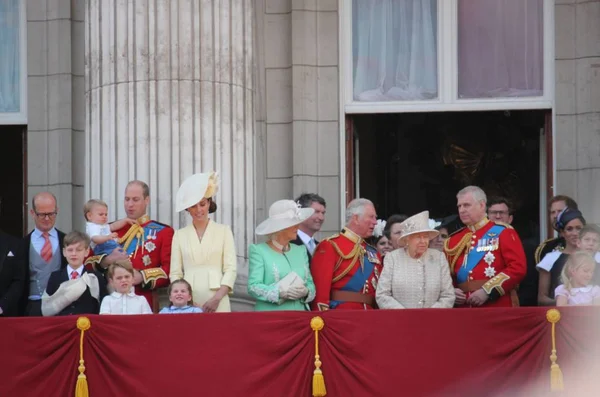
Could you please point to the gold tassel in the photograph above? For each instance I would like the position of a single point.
(318, 384)
(81, 389)
(556, 376)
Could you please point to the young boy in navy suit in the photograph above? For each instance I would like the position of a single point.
(74, 290)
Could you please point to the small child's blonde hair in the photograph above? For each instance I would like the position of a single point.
(589, 228)
(124, 264)
(87, 207)
(181, 281)
(575, 261)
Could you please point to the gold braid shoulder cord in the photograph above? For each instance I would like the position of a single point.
(357, 252)
(134, 231)
(462, 245)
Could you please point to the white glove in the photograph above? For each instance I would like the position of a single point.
(295, 293)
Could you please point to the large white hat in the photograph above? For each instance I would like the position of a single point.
(417, 224)
(194, 189)
(283, 214)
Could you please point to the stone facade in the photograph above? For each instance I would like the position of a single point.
(577, 103)
(297, 104)
(117, 92)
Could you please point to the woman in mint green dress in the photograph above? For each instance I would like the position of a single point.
(279, 276)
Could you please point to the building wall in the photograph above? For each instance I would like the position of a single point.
(297, 104)
(577, 106)
(55, 105)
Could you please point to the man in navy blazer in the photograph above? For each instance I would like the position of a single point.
(308, 228)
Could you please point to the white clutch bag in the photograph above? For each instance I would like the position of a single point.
(292, 279)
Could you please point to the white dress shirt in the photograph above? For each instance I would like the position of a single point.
(308, 241)
(70, 270)
(117, 303)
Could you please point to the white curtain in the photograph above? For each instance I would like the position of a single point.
(394, 49)
(10, 74)
(500, 48)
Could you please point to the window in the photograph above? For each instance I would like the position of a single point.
(500, 48)
(13, 73)
(438, 55)
(394, 49)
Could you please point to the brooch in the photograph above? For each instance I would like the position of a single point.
(150, 246)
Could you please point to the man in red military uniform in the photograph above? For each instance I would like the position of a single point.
(487, 261)
(147, 243)
(345, 269)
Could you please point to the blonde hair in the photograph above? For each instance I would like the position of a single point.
(87, 208)
(575, 261)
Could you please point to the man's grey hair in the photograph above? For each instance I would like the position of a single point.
(477, 193)
(356, 207)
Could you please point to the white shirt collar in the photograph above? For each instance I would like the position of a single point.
(70, 270)
(37, 233)
(119, 295)
(304, 237)
(586, 289)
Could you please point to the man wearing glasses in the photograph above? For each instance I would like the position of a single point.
(41, 250)
(499, 210)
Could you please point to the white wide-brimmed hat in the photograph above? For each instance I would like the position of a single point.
(283, 214)
(417, 224)
(194, 189)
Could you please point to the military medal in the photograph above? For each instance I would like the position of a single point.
(489, 271)
(146, 259)
(150, 246)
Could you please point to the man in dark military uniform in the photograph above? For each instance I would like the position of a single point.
(555, 206)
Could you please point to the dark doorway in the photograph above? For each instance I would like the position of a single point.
(412, 162)
(13, 146)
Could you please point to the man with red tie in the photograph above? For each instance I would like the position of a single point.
(41, 252)
(345, 268)
(147, 243)
(486, 258)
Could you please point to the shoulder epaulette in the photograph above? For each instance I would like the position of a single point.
(540, 248)
(332, 237)
(156, 225)
(506, 225)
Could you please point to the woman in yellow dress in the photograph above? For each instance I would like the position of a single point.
(203, 253)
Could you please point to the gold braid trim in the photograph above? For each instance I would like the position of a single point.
(150, 276)
(496, 282)
(357, 252)
(454, 252)
(134, 231)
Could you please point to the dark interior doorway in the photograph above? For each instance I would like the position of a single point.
(13, 147)
(412, 162)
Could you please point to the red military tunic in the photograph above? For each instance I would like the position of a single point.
(148, 244)
(499, 271)
(345, 271)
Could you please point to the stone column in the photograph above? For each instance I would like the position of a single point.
(169, 92)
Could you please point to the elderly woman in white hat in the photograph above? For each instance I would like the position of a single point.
(279, 277)
(203, 253)
(415, 276)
